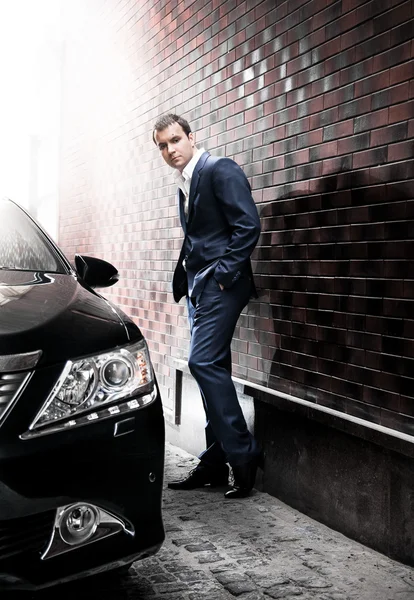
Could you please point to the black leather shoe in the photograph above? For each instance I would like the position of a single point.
(201, 476)
(244, 478)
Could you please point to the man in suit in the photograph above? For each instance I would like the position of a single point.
(221, 228)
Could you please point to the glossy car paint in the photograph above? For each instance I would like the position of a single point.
(116, 464)
(59, 310)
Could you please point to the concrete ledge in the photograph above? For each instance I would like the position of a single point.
(352, 475)
(356, 486)
(366, 430)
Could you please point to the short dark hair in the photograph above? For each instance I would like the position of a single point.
(166, 120)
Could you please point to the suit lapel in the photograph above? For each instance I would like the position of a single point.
(180, 201)
(194, 182)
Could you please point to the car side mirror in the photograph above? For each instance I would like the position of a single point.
(95, 272)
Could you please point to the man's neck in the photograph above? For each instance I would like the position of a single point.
(198, 152)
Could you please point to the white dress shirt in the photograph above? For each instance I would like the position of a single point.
(183, 179)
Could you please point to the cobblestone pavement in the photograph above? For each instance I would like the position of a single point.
(254, 549)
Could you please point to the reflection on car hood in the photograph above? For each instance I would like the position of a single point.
(56, 314)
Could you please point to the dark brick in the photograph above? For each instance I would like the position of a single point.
(275, 134)
(309, 171)
(325, 51)
(392, 18)
(399, 93)
(375, 119)
(370, 157)
(337, 165)
(373, 45)
(311, 74)
(297, 127)
(285, 116)
(356, 107)
(401, 112)
(357, 72)
(392, 57)
(328, 15)
(326, 84)
(354, 143)
(304, 61)
(403, 72)
(275, 104)
(401, 151)
(274, 164)
(338, 130)
(297, 158)
(362, 32)
(338, 96)
(284, 145)
(402, 33)
(372, 84)
(311, 41)
(309, 139)
(389, 134)
(341, 24)
(298, 95)
(262, 181)
(326, 117)
(340, 61)
(324, 150)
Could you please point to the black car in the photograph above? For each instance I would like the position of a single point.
(81, 421)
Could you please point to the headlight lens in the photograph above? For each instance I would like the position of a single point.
(116, 372)
(90, 383)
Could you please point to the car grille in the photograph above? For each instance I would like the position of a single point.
(19, 536)
(10, 384)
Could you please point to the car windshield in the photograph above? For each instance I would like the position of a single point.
(23, 246)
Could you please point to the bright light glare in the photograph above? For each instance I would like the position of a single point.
(30, 58)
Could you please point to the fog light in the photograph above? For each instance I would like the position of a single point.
(78, 524)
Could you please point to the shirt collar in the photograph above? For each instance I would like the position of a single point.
(188, 170)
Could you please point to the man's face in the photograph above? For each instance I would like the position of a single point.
(176, 148)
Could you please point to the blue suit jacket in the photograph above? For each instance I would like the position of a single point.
(222, 229)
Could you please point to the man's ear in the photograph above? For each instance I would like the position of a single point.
(191, 138)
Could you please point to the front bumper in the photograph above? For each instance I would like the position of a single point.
(13, 583)
(121, 475)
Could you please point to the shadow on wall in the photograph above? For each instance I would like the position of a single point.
(335, 267)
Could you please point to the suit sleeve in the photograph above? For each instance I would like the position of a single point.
(232, 188)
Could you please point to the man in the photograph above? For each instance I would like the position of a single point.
(221, 228)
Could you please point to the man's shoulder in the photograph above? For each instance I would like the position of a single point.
(211, 161)
(222, 166)
(217, 168)
(206, 163)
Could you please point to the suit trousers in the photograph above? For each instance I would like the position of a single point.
(213, 316)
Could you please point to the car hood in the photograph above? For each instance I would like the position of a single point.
(56, 314)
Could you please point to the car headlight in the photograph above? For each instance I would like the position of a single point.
(96, 387)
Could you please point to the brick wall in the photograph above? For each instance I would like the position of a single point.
(314, 99)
